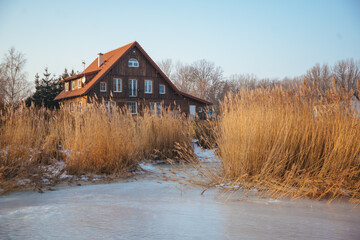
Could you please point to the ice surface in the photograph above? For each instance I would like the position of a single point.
(150, 167)
(148, 208)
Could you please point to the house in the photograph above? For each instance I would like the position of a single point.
(127, 76)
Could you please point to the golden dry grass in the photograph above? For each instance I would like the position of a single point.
(92, 141)
(102, 142)
(27, 141)
(205, 133)
(287, 143)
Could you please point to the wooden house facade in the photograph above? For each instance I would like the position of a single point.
(127, 76)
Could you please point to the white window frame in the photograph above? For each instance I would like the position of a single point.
(103, 83)
(129, 104)
(160, 89)
(72, 85)
(147, 88)
(66, 87)
(133, 62)
(157, 106)
(131, 90)
(79, 83)
(116, 85)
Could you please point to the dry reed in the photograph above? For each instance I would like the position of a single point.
(287, 143)
(92, 141)
(27, 141)
(98, 141)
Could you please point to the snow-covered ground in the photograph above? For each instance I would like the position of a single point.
(205, 155)
(56, 170)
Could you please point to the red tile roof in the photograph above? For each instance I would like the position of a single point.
(109, 59)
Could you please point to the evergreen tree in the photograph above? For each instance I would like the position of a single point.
(47, 88)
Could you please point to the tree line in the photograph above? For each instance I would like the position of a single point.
(206, 80)
(201, 78)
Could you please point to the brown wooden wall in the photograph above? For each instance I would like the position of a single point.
(75, 101)
(145, 71)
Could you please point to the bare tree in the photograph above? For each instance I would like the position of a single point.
(201, 78)
(319, 77)
(238, 81)
(13, 84)
(166, 66)
(184, 77)
(347, 74)
(207, 78)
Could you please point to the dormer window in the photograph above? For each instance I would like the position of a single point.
(66, 87)
(72, 85)
(133, 62)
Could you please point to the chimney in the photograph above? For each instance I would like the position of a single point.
(100, 59)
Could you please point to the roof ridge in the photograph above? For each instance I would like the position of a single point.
(120, 47)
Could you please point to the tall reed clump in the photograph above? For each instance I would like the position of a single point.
(160, 135)
(27, 140)
(287, 143)
(95, 141)
(99, 141)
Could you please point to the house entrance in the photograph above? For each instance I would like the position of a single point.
(192, 111)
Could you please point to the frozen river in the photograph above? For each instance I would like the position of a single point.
(148, 209)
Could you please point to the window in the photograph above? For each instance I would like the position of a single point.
(79, 83)
(200, 109)
(72, 85)
(80, 105)
(66, 87)
(148, 86)
(133, 62)
(117, 85)
(71, 107)
(132, 88)
(162, 89)
(155, 108)
(102, 86)
(132, 106)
